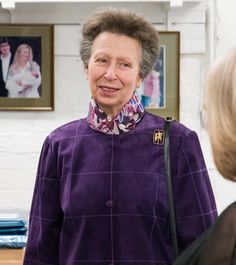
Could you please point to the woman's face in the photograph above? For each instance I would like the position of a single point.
(113, 70)
(24, 54)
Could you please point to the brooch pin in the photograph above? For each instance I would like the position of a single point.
(158, 137)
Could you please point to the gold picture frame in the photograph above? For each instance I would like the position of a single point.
(159, 92)
(40, 38)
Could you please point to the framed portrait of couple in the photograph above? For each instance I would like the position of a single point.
(26, 67)
(159, 92)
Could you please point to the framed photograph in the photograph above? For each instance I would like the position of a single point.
(26, 67)
(159, 92)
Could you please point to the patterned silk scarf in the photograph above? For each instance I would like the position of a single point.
(124, 121)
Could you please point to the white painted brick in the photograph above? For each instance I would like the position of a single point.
(17, 180)
(193, 47)
(205, 140)
(71, 85)
(224, 190)
(160, 27)
(192, 37)
(191, 120)
(208, 156)
(77, 12)
(190, 31)
(4, 16)
(15, 199)
(180, 16)
(67, 38)
(189, 83)
(19, 161)
(155, 16)
(190, 103)
(13, 121)
(190, 74)
(192, 6)
(43, 127)
(21, 143)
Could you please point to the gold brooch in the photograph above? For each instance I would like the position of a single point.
(158, 137)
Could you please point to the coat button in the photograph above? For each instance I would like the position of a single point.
(109, 204)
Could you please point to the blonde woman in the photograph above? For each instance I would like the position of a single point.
(221, 109)
(24, 76)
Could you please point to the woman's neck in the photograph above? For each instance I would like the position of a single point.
(112, 112)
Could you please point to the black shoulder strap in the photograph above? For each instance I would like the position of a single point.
(172, 221)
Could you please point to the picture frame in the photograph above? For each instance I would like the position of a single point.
(159, 92)
(29, 88)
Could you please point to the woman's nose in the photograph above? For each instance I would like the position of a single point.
(110, 73)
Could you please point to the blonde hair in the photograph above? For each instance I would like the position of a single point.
(220, 103)
(18, 52)
(15, 65)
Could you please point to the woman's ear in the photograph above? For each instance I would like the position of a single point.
(139, 82)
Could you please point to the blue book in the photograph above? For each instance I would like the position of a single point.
(4, 223)
(13, 230)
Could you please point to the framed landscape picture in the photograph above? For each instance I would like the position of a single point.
(26, 67)
(159, 92)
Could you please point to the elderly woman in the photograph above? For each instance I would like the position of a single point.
(100, 195)
(24, 76)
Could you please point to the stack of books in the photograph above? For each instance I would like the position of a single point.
(13, 231)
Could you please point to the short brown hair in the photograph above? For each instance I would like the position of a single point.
(124, 22)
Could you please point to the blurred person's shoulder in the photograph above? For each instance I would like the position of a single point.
(228, 217)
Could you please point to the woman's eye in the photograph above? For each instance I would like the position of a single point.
(101, 60)
(124, 64)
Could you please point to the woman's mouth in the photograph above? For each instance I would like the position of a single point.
(108, 89)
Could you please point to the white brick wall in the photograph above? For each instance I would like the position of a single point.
(22, 133)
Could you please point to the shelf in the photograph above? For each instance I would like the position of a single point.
(11, 256)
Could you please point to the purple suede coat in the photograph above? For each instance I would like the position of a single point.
(101, 199)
